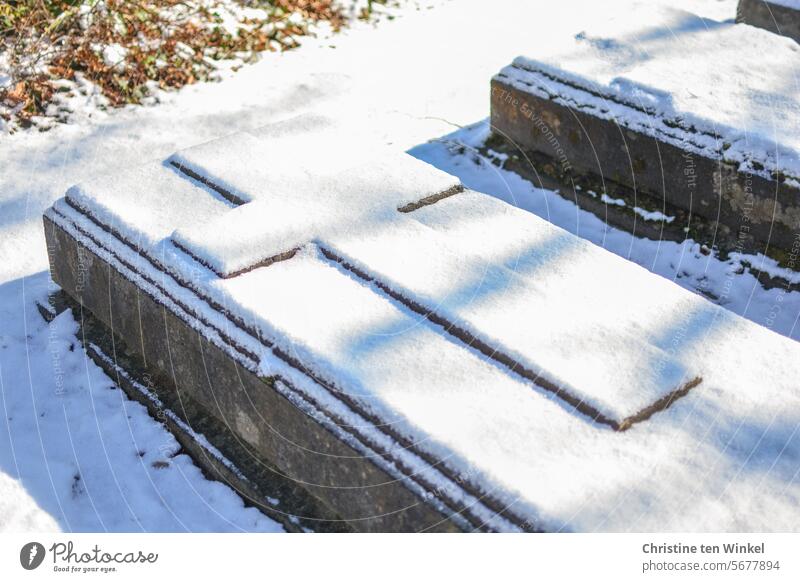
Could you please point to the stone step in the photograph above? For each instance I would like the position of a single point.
(715, 136)
(778, 16)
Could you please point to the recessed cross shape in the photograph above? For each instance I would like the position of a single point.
(385, 236)
(493, 277)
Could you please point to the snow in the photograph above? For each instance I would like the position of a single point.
(724, 457)
(152, 196)
(730, 282)
(5, 78)
(614, 201)
(736, 102)
(291, 204)
(653, 215)
(520, 311)
(113, 55)
(649, 215)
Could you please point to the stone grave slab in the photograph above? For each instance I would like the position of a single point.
(416, 355)
(689, 114)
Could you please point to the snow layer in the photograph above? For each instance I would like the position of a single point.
(736, 102)
(292, 201)
(153, 197)
(529, 316)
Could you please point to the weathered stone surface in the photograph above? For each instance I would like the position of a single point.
(585, 191)
(746, 212)
(776, 17)
(272, 427)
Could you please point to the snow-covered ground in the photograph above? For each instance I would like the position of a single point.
(70, 450)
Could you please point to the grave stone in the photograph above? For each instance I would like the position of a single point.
(687, 114)
(414, 354)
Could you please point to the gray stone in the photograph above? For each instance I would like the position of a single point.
(739, 211)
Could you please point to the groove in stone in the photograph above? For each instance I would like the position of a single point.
(229, 196)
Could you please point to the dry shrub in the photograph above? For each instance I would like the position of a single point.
(127, 48)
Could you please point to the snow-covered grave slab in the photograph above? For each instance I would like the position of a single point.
(702, 115)
(778, 16)
(417, 355)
